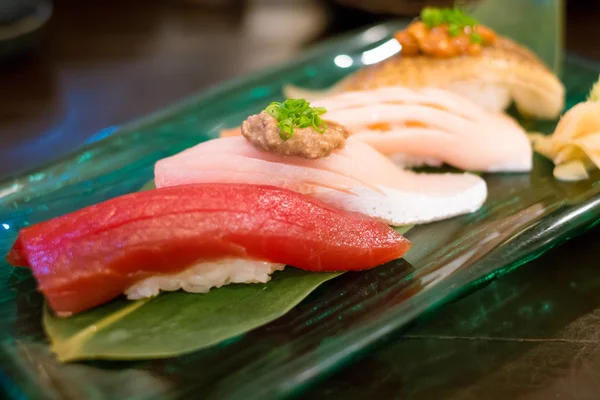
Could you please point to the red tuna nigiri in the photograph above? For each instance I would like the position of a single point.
(93, 255)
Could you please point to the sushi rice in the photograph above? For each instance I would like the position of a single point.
(204, 276)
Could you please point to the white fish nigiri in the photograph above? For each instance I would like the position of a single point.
(432, 126)
(355, 178)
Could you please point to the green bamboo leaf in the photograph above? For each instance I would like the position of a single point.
(148, 186)
(176, 323)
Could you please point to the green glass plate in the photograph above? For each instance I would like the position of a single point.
(525, 215)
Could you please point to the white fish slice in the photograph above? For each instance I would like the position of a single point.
(356, 178)
(433, 125)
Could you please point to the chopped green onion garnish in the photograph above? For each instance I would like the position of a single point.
(476, 38)
(296, 113)
(456, 19)
(454, 30)
(432, 17)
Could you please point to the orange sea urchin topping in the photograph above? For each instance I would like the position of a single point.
(444, 33)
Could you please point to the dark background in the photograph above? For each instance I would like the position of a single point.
(100, 63)
(535, 334)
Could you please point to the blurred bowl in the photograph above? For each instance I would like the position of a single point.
(21, 26)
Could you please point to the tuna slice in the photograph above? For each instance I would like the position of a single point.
(354, 178)
(93, 255)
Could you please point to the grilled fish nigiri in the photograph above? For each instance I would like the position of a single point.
(493, 74)
(416, 127)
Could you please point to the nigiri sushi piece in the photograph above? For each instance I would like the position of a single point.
(432, 126)
(190, 233)
(493, 74)
(353, 178)
(416, 127)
